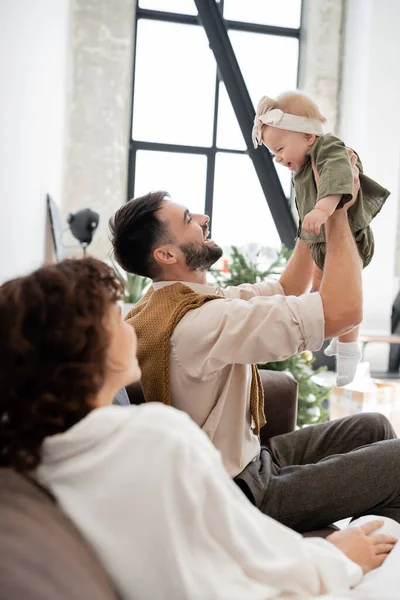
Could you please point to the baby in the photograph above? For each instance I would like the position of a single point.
(292, 129)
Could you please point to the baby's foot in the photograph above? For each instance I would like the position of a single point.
(331, 349)
(348, 357)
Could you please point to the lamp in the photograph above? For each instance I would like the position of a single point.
(82, 225)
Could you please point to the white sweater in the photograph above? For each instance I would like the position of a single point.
(149, 492)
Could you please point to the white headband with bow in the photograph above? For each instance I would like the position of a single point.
(275, 117)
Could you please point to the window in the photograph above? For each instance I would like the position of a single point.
(240, 212)
(187, 7)
(171, 171)
(185, 136)
(281, 13)
(173, 105)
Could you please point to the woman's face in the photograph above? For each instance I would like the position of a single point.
(122, 366)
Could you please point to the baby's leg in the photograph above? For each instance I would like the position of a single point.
(346, 338)
(346, 348)
(350, 336)
(348, 353)
(331, 349)
(348, 357)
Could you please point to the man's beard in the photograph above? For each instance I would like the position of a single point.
(200, 257)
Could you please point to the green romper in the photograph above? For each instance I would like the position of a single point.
(336, 177)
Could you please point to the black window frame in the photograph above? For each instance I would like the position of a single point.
(209, 151)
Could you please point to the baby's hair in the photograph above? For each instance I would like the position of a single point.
(298, 103)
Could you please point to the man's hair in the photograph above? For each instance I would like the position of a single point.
(136, 231)
(53, 349)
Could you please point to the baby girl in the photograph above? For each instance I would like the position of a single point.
(292, 129)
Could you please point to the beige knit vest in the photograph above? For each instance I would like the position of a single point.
(154, 318)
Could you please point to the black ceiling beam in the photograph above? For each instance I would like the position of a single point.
(220, 44)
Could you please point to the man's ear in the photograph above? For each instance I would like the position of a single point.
(165, 255)
(310, 139)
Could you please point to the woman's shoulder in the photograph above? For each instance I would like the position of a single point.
(159, 422)
(149, 415)
(153, 434)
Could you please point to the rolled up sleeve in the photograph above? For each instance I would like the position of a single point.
(236, 331)
(246, 291)
(308, 311)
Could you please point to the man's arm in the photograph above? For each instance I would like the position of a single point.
(341, 286)
(296, 278)
(235, 331)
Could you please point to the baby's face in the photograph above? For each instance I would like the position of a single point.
(290, 147)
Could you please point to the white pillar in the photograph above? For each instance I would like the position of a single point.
(98, 113)
(320, 49)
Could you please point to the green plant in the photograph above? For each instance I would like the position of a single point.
(134, 287)
(243, 270)
(311, 395)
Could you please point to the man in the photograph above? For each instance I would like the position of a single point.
(197, 345)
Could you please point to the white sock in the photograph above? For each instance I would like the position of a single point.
(348, 357)
(331, 349)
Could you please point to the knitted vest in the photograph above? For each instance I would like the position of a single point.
(154, 318)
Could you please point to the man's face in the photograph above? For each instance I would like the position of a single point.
(190, 234)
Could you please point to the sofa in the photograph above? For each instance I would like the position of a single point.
(43, 556)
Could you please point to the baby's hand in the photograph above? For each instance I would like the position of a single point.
(313, 221)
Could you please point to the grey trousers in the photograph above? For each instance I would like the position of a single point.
(312, 477)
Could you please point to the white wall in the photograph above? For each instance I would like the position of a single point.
(33, 56)
(370, 103)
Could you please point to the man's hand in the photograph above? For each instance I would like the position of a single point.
(314, 220)
(368, 551)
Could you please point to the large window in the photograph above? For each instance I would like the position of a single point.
(185, 136)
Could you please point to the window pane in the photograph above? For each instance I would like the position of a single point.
(283, 13)
(186, 7)
(268, 63)
(182, 175)
(229, 134)
(240, 211)
(174, 84)
(275, 78)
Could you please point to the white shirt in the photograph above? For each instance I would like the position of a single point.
(148, 490)
(212, 349)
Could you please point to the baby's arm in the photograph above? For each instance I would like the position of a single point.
(324, 208)
(335, 186)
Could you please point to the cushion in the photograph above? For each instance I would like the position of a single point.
(43, 557)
